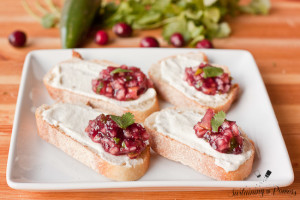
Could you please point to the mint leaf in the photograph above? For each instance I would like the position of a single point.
(124, 121)
(99, 87)
(119, 70)
(217, 120)
(212, 71)
(117, 140)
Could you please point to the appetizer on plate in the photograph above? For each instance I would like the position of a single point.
(188, 80)
(102, 84)
(113, 146)
(202, 140)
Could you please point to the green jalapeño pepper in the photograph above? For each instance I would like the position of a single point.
(76, 20)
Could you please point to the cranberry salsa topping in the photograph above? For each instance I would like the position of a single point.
(208, 79)
(118, 135)
(121, 83)
(223, 135)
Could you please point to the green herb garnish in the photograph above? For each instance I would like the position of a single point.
(119, 70)
(117, 140)
(123, 144)
(124, 121)
(212, 71)
(218, 120)
(194, 19)
(99, 87)
(199, 71)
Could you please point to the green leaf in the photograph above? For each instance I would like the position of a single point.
(212, 71)
(48, 20)
(178, 26)
(124, 121)
(119, 70)
(99, 87)
(218, 120)
(223, 30)
(257, 7)
(123, 144)
(117, 140)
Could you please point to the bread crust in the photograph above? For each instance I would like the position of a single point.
(55, 136)
(177, 98)
(61, 95)
(205, 164)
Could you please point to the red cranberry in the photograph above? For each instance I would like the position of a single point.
(204, 44)
(122, 30)
(211, 85)
(101, 38)
(226, 140)
(149, 42)
(17, 38)
(115, 140)
(123, 86)
(177, 40)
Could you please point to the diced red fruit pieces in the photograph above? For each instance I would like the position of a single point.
(115, 140)
(210, 86)
(122, 86)
(226, 140)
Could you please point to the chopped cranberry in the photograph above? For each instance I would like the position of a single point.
(226, 140)
(204, 44)
(127, 84)
(211, 85)
(115, 140)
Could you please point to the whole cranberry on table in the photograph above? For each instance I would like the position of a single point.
(101, 37)
(17, 38)
(115, 140)
(204, 44)
(177, 40)
(122, 30)
(149, 42)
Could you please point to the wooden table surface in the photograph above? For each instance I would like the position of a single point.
(274, 40)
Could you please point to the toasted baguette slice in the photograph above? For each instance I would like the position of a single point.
(172, 136)
(55, 129)
(179, 97)
(80, 90)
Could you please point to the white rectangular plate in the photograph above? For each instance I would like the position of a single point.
(33, 164)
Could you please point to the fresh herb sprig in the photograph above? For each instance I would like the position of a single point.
(119, 70)
(218, 120)
(212, 71)
(194, 19)
(124, 121)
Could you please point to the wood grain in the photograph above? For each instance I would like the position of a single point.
(274, 41)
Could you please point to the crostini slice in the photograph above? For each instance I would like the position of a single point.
(169, 77)
(71, 81)
(75, 129)
(173, 135)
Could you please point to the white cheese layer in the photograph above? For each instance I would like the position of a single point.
(173, 71)
(73, 119)
(76, 76)
(178, 124)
